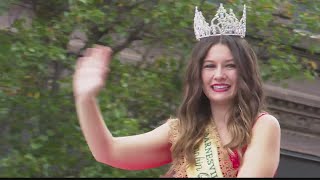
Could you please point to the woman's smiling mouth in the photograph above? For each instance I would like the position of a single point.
(220, 87)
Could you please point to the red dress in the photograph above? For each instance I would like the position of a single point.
(229, 162)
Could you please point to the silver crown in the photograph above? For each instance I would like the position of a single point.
(223, 23)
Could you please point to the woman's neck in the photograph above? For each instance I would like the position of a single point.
(220, 113)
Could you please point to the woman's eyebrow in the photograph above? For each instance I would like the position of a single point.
(210, 60)
(229, 60)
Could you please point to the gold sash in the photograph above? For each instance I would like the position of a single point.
(207, 160)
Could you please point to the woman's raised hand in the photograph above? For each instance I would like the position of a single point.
(135, 152)
(91, 71)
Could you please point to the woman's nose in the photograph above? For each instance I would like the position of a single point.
(219, 74)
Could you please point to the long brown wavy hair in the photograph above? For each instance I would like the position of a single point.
(194, 114)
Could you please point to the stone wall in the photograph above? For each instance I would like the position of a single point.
(299, 117)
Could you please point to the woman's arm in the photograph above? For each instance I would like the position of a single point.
(262, 156)
(142, 151)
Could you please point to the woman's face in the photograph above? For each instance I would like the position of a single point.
(219, 75)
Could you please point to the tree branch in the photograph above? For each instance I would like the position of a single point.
(135, 34)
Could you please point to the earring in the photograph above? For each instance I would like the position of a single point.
(240, 109)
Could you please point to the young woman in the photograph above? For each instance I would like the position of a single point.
(221, 129)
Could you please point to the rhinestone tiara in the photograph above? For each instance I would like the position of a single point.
(223, 23)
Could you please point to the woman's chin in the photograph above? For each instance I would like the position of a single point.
(221, 100)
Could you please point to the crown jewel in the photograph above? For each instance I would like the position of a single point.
(223, 23)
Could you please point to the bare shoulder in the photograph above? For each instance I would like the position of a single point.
(168, 128)
(267, 122)
(265, 142)
(266, 129)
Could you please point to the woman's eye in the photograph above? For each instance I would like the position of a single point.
(231, 65)
(209, 66)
